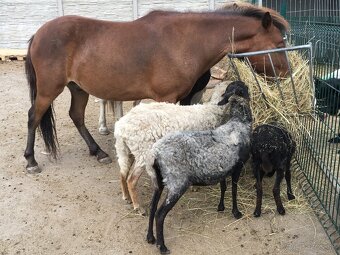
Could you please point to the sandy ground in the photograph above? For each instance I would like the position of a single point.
(74, 206)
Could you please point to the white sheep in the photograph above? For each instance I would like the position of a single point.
(186, 158)
(140, 128)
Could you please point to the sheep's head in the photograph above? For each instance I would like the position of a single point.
(235, 88)
(239, 107)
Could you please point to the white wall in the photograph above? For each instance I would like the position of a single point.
(19, 19)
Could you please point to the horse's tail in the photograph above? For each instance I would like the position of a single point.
(47, 123)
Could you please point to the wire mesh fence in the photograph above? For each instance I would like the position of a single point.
(318, 156)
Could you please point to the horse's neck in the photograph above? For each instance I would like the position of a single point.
(229, 33)
(235, 32)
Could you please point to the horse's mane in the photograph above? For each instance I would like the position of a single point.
(250, 10)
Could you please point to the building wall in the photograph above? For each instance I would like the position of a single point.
(20, 19)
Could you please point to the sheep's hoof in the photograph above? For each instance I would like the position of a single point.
(104, 131)
(140, 211)
(281, 210)
(127, 199)
(194, 188)
(237, 214)
(33, 169)
(150, 239)
(220, 208)
(257, 213)
(290, 196)
(106, 160)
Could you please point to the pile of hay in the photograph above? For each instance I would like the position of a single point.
(267, 103)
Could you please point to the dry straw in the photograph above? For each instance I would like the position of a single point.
(272, 102)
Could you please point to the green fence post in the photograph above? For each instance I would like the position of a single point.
(283, 9)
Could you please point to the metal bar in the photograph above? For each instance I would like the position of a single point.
(276, 79)
(291, 79)
(257, 82)
(261, 52)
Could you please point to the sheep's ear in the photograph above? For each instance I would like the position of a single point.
(223, 101)
(267, 20)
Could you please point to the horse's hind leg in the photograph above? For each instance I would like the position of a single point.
(103, 130)
(77, 110)
(35, 114)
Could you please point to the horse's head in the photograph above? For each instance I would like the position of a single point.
(268, 36)
(264, 30)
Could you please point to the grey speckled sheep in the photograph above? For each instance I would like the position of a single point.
(272, 150)
(189, 158)
(139, 129)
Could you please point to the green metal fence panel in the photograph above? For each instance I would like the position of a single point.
(318, 158)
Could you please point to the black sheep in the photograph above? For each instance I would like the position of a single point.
(272, 150)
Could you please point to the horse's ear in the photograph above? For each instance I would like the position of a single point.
(267, 20)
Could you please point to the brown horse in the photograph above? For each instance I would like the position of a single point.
(159, 56)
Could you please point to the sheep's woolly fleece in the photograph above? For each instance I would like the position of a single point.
(138, 130)
(199, 157)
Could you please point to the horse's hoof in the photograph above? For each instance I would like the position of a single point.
(164, 250)
(104, 131)
(33, 169)
(237, 214)
(106, 160)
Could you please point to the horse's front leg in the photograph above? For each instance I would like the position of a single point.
(117, 107)
(79, 99)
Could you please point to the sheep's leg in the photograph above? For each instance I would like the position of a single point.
(223, 187)
(132, 183)
(124, 188)
(167, 205)
(125, 161)
(289, 184)
(259, 192)
(276, 191)
(103, 130)
(153, 207)
(235, 176)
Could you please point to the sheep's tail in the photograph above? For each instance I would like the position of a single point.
(157, 179)
(125, 159)
(47, 123)
(266, 164)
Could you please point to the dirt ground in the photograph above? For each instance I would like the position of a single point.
(74, 206)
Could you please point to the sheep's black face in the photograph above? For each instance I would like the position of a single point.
(327, 94)
(240, 108)
(235, 88)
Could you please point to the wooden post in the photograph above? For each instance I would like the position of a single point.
(135, 9)
(60, 7)
(211, 4)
